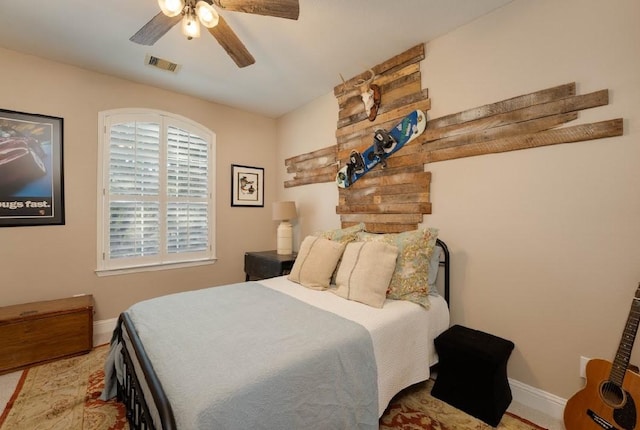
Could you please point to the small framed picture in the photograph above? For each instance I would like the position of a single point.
(247, 186)
(31, 173)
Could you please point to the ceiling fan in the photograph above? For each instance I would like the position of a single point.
(192, 13)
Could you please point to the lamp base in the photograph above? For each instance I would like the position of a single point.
(285, 238)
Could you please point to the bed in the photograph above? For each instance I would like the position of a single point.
(204, 358)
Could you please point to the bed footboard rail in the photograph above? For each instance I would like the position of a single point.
(130, 392)
(446, 264)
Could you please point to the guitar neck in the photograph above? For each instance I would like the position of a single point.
(623, 355)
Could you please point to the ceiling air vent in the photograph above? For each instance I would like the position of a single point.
(150, 60)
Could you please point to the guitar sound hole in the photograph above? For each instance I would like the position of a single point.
(612, 394)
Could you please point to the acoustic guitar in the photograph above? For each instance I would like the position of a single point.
(609, 399)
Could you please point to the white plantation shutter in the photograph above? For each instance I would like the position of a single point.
(157, 181)
(134, 189)
(187, 188)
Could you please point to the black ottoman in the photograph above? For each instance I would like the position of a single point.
(472, 372)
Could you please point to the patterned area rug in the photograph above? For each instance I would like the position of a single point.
(415, 409)
(64, 395)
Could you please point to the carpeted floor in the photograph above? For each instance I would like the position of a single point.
(64, 395)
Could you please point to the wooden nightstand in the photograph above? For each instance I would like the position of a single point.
(267, 264)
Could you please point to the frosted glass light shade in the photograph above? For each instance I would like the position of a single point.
(171, 8)
(207, 14)
(190, 25)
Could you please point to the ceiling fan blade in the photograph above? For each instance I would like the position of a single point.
(230, 42)
(155, 29)
(289, 9)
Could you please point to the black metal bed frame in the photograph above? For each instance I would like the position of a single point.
(130, 391)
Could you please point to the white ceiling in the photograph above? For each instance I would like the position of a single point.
(296, 61)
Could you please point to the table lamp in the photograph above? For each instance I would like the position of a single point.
(284, 212)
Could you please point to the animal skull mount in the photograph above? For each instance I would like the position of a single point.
(371, 100)
(370, 95)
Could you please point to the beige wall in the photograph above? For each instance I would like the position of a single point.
(544, 241)
(48, 262)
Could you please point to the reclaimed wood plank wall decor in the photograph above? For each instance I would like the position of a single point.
(395, 199)
(526, 121)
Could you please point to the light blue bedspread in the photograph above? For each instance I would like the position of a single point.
(244, 356)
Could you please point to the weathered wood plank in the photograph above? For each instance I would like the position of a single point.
(388, 97)
(309, 155)
(391, 178)
(413, 197)
(413, 97)
(397, 189)
(386, 82)
(406, 159)
(518, 128)
(416, 178)
(411, 55)
(389, 228)
(384, 208)
(526, 100)
(403, 198)
(314, 163)
(327, 177)
(575, 133)
(382, 218)
(321, 171)
(395, 114)
(569, 104)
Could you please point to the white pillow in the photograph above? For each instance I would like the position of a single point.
(365, 272)
(316, 261)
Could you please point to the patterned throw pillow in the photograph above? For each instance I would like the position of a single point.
(343, 235)
(410, 279)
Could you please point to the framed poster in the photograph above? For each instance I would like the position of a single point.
(247, 186)
(31, 174)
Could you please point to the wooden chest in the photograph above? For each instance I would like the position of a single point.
(34, 333)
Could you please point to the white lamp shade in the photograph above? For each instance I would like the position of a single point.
(284, 211)
(171, 7)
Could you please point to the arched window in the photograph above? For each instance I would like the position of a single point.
(156, 183)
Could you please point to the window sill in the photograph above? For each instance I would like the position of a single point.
(153, 268)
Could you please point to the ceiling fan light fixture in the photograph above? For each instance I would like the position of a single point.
(190, 25)
(171, 8)
(207, 14)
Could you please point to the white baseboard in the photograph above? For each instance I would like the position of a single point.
(529, 396)
(102, 331)
(537, 399)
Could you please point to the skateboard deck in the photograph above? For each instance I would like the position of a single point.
(384, 145)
